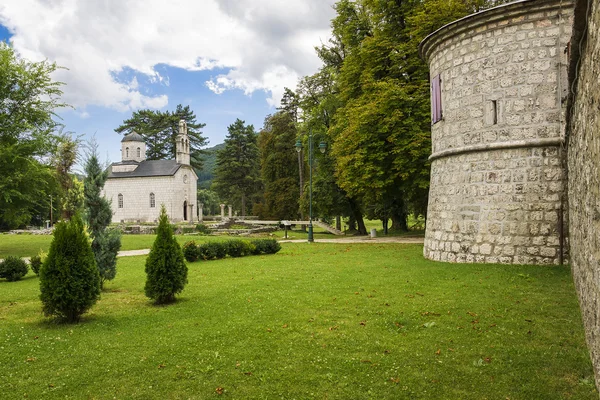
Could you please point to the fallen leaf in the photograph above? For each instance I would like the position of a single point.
(248, 373)
(488, 359)
(268, 329)
(35, 338)
(237, 365)
(450, 349)
(395, 380)
(438, 352)
(285, 326)
(219, 390)
(472, 314)
(363, 323)
(332, 328)
(419, 294)
(160, 366)
(30, 359)
(386, 352)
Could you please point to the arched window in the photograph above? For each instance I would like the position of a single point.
(126, 152)
(139, 152)
(152, 200)
(120, 200)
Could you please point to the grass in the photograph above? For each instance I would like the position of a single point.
(30, 245)
(334, 321)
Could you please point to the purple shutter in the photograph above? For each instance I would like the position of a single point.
(436, 99)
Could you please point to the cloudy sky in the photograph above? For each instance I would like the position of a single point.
(227, 59)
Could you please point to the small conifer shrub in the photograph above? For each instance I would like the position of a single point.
(166, 272)
(190, 251)
(13, 268)
(35, 263)
(69, 279)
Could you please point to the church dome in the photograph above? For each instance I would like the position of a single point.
(133, 137)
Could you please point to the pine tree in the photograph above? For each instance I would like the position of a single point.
(69, 280)
(237, 176)
(166, 271)
(106, 242)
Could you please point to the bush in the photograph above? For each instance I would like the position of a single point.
(187, 229)
(69, 279)
(239, 248)
(13, 268)
(266, 246)
(203, 229)
(212, 250)
(166, 272)
(190, 251)
(35, 263)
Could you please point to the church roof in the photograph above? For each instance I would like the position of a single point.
(133, 137)
(147, 168)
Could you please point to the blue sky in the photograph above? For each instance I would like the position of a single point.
(226, 59)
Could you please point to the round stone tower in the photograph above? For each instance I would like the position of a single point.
(498, 86)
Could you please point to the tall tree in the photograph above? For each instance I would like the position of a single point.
(279, 169)
(159, 130)
(237, 176)
(28, 98)
(106, 242)
(72, 189)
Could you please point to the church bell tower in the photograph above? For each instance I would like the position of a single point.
(183, 145)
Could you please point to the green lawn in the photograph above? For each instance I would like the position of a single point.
(333, 321)
(30, 245)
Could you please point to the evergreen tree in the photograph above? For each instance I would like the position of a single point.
(237, 178)
(106, 242)
(166, 271)
(279, 167)
(69, 280)
(159, 130)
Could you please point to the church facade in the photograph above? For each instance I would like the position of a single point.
(137, 187)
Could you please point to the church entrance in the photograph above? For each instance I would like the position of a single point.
(185, 210)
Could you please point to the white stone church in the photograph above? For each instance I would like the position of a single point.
(137, 187)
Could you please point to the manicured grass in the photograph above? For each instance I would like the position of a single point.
(336, 321)
(30, 245)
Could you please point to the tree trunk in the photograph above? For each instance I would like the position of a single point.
(243, 204)
(399, 221)
(385, 222)
(358, 217)
(338, 223)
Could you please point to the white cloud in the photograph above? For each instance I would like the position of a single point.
(264, 45)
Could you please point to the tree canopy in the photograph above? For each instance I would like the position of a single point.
(28, 98)
(237, 178)
(159, 130)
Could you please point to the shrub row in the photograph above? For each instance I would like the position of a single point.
(233, 248)
(13, 268)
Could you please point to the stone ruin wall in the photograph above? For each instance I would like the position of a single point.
(584, 172)
(497, 182)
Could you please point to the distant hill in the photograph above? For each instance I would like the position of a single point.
(206, 175)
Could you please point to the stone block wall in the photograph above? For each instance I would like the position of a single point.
(497, 182)
(584, 171)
